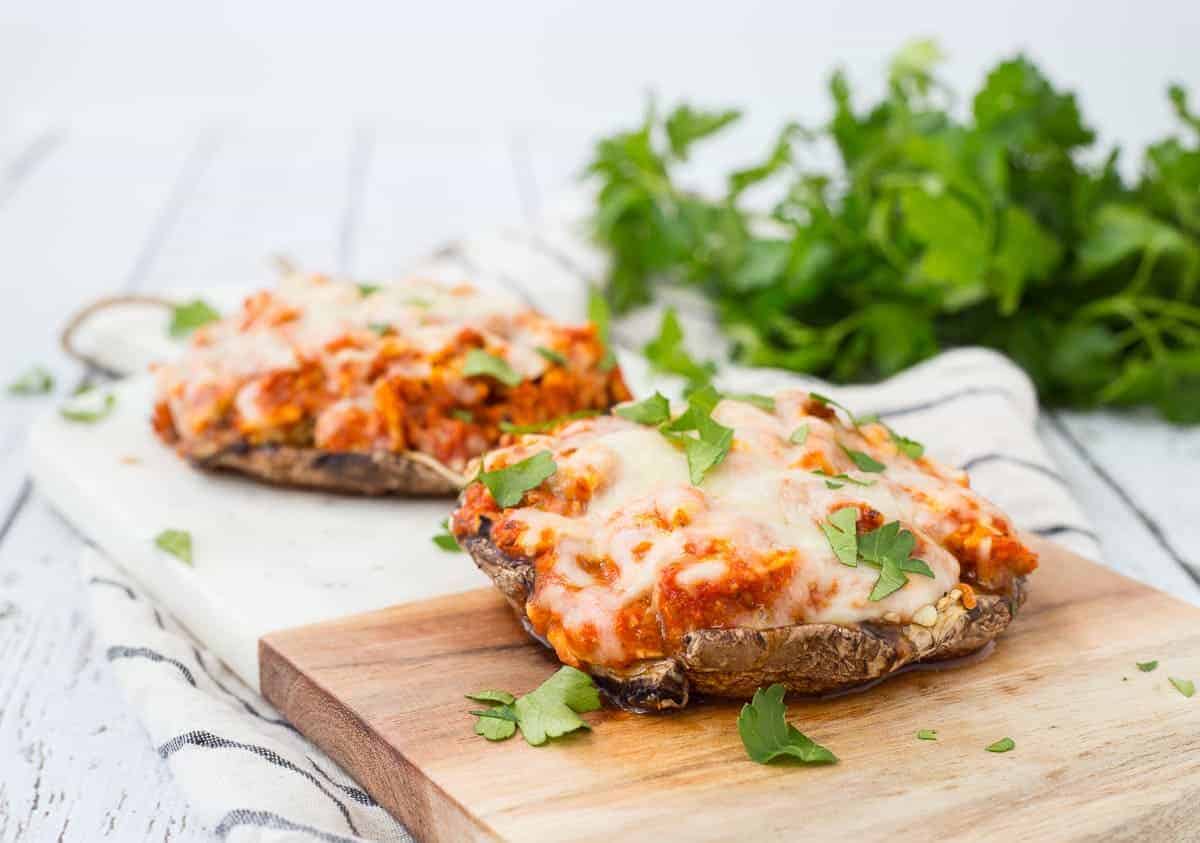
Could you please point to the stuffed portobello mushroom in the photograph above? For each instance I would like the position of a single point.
(375, 389)
(736, 542)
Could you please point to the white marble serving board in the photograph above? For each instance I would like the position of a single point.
(265, 558)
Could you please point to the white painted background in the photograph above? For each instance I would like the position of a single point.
(146, 145)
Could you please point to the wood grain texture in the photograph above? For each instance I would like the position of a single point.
(1102, 748)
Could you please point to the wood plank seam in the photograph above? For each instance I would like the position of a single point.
(1152, 526)
(201, 155)
(522, 163)
(362, 151)
(23, 164)
(190, 173)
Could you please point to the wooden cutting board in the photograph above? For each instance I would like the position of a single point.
(1103, 750)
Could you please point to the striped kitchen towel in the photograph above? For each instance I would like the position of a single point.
(251, 777)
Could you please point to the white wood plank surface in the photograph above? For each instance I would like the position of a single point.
(74, 763)
(85, 214)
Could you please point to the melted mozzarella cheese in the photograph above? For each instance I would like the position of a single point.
(762, 502)
(334, 324)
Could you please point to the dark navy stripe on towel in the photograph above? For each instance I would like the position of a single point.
(115, 584)
(121, 652)
(1059, 529)
(207, 740)
(265, 819)
(945, 399)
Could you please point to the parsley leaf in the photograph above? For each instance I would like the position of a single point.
(701, 403)
(549, 711)
(799, 435)
(927, 735)
(598, 315)
(842, 531)
(509, 485)
(379, 328)
(445, 539)
(713, 440)
(911, 448)
(825, 399)
(87, 406)
(36, 381)
(652, 411)
(491, 695)
(496, 724)
(865, 462)
(463, 415)
(368, 289)
(178, 543)
(551, 355)
(549, 424)
(767, 735)
(706, 452)
(479, 362)
(667, 353)
(186, 318)
(763, 402)
(1183, 686)
(837, 481)
(889, 548)
(1146, 667)
(1002, 745)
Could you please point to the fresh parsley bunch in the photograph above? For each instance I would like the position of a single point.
(934, 231)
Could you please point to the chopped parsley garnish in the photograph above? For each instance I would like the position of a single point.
(379, 328)
(799, 435)
(88, 407)
(667, 353)
(825, 399)
(186, 318)
(889, 548)
(650, 411)
(865, 462)
(508, 485)
(491, 695)
(368, 289)
(599, 315)
(549, 711)
(763, 402)
(842, 531)
(837, 481)
(445, 540)
(178, 543)
(1002, 745)
(712, 441)
(463, 415)
(551, 355)
(1146, 667)
(481, 363)
(1183, 686)
(927, 735)
(911, 448)
(767, 735)
(37, 380)
(549, 424)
